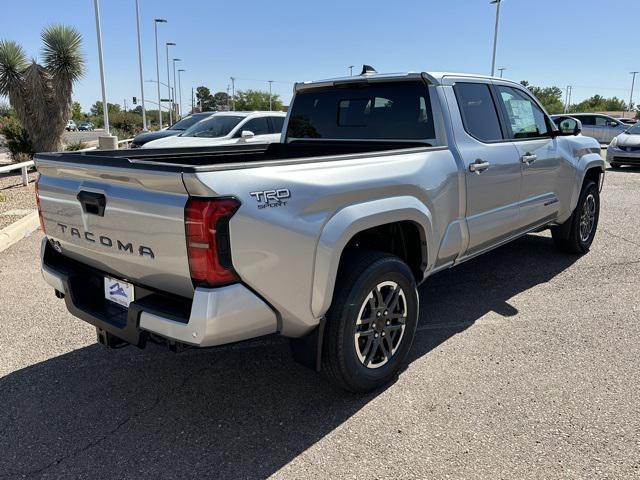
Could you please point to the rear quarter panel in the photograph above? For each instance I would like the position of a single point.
(275, 249)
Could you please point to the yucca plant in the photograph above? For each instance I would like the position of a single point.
(41, 94)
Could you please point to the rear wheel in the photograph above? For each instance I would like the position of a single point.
(371, 323)
(577, 233)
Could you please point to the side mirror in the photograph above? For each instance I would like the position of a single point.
(570, 126)
(247, 134)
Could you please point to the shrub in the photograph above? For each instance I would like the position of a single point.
(73, 146)
(129, 124)
(17, 139)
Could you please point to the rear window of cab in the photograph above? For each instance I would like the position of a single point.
(384, 111)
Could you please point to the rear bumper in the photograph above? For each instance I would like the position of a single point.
(213, 317)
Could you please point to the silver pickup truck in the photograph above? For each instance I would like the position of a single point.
(380, 180)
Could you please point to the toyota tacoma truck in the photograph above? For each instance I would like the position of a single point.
(379, 181)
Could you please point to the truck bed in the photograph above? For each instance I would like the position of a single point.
(197, 159)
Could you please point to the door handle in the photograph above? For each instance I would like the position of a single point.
(528, 158)
(479, 166)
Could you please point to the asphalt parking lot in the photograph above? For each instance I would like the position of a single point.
(525, 366)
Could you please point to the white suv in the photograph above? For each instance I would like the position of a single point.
(227, 128)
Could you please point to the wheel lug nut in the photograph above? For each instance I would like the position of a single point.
(373, 325)
(375, 335)
(382, 334)
(386, 312)
(378, 314)
(388, 322)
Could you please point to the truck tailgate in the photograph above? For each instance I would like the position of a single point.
(126, 222)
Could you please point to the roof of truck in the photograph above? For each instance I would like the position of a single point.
(434, 78)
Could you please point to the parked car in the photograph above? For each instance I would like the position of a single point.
(625, 148)
(227, 128)
(601, 127)
(71, 126)
(175, 129)
(627, 121)
(378, 182)
(86, 127)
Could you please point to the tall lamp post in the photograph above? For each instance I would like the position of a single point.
(351, 70)
(169, 44)
(233, 93)
(495, 35)
(180, 70)
(156, 21)
(105, 110)
(144, 110)
(270, 103)
(175, 86)
(633, 81)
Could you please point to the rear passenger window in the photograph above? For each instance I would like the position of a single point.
(478, 111)
(278, 123)
(587, 119)
(259, 126)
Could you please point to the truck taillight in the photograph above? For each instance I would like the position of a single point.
(38, 202)
(208, 245)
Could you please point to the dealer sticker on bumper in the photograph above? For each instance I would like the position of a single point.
(118, 291)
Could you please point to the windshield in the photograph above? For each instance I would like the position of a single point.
(634, 130)
(216, 126)
(187, 122)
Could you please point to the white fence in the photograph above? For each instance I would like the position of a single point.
(25, 166)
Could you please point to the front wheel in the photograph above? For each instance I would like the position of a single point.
(577, 233)
(371, 323)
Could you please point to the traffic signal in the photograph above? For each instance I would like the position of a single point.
(135, 100)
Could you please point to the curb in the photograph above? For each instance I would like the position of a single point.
(18, 230)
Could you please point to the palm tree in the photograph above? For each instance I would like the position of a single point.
(41, 94)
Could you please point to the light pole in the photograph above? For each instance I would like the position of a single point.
(144, 111)
(180, 70)
(156, 21)
(270, 104)
(501, 70)
(175, 85)
(495, 35)
(167, 45)
(351, 70)
(633, 81)
(568, 99)
(105, 110)
(233, 93)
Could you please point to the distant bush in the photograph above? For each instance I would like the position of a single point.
(16, 139)
(73, 146)
(129, 124)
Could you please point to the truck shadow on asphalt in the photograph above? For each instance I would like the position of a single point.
(237, 412)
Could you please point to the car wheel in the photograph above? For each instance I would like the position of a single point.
(577, 233)
(371, 323)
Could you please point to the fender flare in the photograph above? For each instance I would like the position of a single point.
(586, 162)
(349, 221)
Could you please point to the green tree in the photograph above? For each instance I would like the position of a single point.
(598, 103)
(40, 94)
(549, 97)
(76, 111)
(97, 109)
(204, 99)
(221, 101)
(256, 100)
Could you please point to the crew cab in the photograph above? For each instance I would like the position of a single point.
(379, 181)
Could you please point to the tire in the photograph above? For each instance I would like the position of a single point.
(577, 233)
(364, 281)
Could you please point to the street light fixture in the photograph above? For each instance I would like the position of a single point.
(501, 70)
(175, 85)
(495, 35)
(167, 45)
(180, 70)
(156, 21)
(144, 110)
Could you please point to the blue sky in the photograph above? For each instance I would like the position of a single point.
(591, 44)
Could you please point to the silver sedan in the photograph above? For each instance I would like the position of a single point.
(625, 148)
